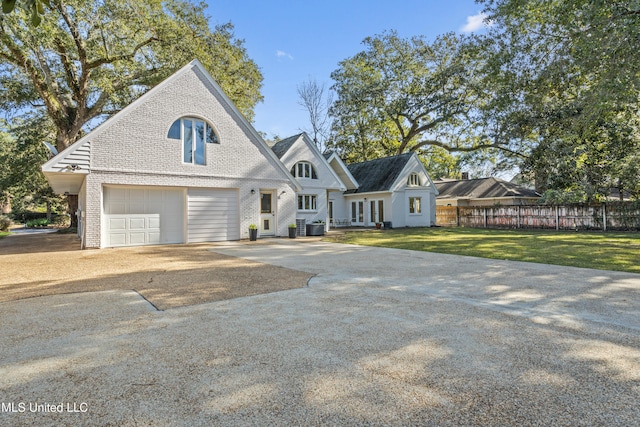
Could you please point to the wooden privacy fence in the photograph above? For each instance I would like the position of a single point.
(603, 216)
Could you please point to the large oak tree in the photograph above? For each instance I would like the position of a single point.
(401, 95)
(573, 72)
(86, 60)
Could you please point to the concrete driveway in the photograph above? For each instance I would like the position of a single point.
(379, 337)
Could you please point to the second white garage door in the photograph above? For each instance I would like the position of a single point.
(213, 215)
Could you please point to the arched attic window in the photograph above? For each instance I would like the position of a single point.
(304, 170)
(193, 133)
(413, 180)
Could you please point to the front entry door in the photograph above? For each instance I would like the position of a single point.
(267, 214)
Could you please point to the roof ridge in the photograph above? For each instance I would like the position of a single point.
(408, 153)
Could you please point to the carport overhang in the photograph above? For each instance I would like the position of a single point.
(65, 182)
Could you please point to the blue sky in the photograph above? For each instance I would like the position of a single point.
(294, 40)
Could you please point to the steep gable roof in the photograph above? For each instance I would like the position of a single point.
(378, 174)
(58, 174)
(482, 188)
(341, 169)
(282, 146)
(288, 152)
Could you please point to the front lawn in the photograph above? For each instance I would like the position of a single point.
(604, 251)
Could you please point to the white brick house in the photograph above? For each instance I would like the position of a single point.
(306, 163)
(178, 165)
(395, 190)
(182, 165)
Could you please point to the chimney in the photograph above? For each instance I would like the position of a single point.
(465, 176)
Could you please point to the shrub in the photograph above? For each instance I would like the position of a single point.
(5, 223)
(41, 222)
(25, 216)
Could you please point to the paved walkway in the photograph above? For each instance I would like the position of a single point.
(380, 337)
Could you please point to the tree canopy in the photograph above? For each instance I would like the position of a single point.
(34, 7)
(89, 59)
(551, 88)
(572, 69)
(400, 95)
(86, 60)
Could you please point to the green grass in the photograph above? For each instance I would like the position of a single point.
(3, 234)
(604, 251)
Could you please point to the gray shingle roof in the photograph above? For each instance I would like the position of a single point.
(481, 188)
(378, 174)
(282, 146)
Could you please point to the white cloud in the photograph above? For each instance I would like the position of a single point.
(283, 54)
(475, 22)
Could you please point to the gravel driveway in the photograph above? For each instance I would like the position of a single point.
(379, 337)
(167, 276)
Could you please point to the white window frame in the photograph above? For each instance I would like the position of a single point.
(415, 208)
(209, 136)
(307, 202)
(304, 169)
(413, 180)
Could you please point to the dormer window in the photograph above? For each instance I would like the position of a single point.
(194, 133)
(414, 180)
(304, 170)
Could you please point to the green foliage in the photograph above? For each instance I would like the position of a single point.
(402, 95)
(40, 222)
(440, 163)
(21, 154)
(563, 197)
(568, 78)
(34, 7)
(88, 59)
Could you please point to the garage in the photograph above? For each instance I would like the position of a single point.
(135, 216)
(213, 215)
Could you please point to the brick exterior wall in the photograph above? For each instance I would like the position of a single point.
(133, 149)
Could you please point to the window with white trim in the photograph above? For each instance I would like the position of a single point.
(414, 180)
(194, 134)
(304, 170)
(307, 202)
(415, 205)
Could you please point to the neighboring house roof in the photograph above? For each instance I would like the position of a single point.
(378, 174)
(482, 188)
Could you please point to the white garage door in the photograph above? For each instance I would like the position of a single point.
(213, 215)
(136, 216)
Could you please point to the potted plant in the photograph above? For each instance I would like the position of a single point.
(253, 232)
(292, 231)
(316, 228)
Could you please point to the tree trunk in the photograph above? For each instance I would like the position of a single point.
(72, 207)
(5, 205)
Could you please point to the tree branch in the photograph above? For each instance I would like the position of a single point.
(453, 149)
(126, 56)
